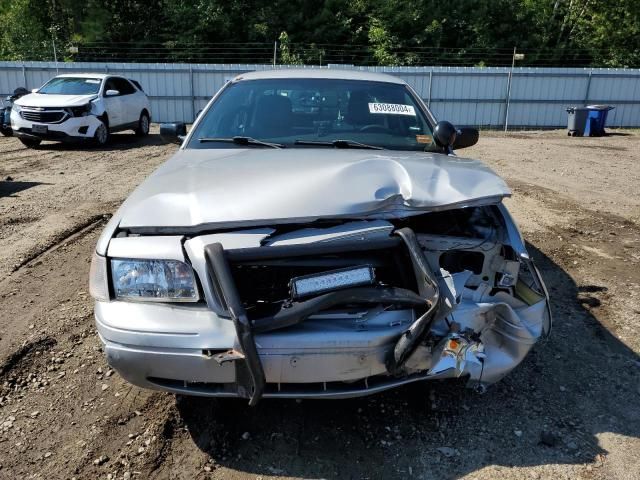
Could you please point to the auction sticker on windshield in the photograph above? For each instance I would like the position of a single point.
(392, 109)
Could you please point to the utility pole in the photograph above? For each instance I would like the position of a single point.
(275, 51)
(55, 54)
(54, 25)
(516, 56)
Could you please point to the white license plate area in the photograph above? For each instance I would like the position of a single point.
(35, 128)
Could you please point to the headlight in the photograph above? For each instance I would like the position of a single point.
(16, 108)
(81, 111)
(153, 280)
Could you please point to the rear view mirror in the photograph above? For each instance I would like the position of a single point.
(466, 137)
(111, 93)
(173, 132)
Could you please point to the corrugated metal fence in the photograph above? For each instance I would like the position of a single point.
(485, 97)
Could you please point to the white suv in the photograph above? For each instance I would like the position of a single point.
(81, 106)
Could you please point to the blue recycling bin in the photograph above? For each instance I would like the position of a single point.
(596, 120)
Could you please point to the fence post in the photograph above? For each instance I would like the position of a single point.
(586, 95)
(508, 100)
(192, 93)
(430, 83)
(516, 56)
(24, 75)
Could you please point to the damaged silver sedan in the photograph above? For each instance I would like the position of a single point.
(316, 237)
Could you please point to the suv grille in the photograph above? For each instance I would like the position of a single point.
(54, 116)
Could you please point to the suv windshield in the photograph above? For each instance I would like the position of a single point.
(71, 86)
(315, 113)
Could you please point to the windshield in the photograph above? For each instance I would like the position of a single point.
(71, 86)
(315, 113)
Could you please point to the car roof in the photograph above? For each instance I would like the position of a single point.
(325, 73)
(88, 75)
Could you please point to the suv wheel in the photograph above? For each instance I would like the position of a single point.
(143, 125)
(30, 142)
(101, 137)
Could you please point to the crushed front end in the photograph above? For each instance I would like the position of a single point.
(333, 309)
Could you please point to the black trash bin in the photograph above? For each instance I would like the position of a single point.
(577, 121)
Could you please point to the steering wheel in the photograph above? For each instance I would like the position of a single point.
(374, 128)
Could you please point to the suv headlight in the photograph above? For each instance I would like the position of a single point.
(81, 111)
(16, 108)
(153, 280)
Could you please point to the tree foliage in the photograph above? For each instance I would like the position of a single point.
(385, 32)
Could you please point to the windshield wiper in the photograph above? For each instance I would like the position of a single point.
(338, 144)
(241, 141)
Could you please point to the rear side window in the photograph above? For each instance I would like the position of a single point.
(137, 84)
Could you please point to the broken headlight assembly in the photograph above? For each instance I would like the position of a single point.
(153, 280)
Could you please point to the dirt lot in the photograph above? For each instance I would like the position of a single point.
(571, 410)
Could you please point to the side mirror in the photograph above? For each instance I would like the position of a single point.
(173, 132)
(111, 93)
(466, 137)
(445, 134)
(34, 90)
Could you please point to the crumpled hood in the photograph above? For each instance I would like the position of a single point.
(46, 100)
(248, 187)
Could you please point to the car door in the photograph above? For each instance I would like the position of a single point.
(140, 101)
(114, 105)
(130, 104)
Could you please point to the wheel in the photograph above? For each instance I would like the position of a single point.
(101, 137)
(30, 142)
(143, 125)
(7, 132)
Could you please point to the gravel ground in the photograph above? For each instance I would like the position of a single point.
(571, 410)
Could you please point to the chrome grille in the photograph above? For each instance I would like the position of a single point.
(45, 116)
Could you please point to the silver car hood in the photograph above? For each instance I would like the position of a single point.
(247, 187)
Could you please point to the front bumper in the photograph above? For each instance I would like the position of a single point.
(320, 358)
(69, 129)
(333, 353)
(174, 348)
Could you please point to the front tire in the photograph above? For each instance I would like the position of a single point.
(31, 142)
(7, 132)
(101, 137)
(143, 125)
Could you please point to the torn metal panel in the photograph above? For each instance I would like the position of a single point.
(347, 231)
